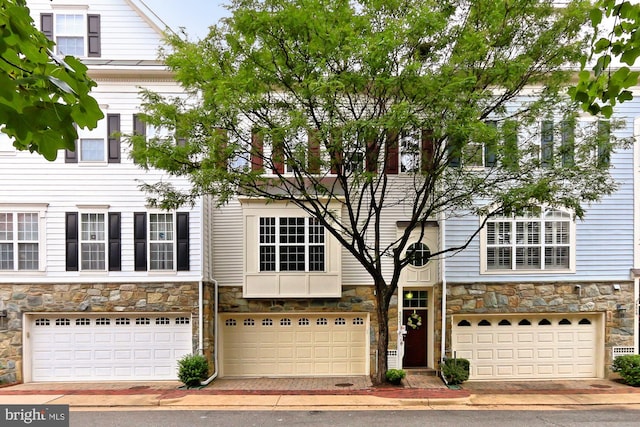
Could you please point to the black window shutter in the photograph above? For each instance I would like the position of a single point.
(139, 127)
(257, 151)
(114, 242)
(46, 24)
(113, 138)
(93, 35)
(391, 153)
(71, 236)
(71, 156)
(182, 241)
(454, 151)
(140, 240)
(491, 146)
(546, 144)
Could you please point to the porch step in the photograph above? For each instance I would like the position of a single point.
(422, 371)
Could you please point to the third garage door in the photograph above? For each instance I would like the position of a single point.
(530, 346)
(295, 344)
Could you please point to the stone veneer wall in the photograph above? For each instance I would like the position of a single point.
(353, 299)
(550, 298)
(88, 297)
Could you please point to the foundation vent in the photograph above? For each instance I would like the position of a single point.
(392, 359)
(620, 351)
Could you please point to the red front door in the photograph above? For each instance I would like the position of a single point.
(415, 343)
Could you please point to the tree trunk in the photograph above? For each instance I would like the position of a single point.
(382, 309)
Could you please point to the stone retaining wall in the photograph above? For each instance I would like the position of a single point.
(93, 297)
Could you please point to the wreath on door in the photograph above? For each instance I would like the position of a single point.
(414, 321)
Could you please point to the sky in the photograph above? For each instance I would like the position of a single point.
(194, 15)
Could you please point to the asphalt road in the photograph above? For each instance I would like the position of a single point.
(582, 417)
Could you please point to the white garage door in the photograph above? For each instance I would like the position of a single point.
(66, 347)
(529, 346)
(295, 344)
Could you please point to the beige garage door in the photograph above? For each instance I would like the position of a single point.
(530, 346)
(294, 344)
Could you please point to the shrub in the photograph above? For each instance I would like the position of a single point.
(628, 366)
(192, 369)
(455, 371)
(395, 376)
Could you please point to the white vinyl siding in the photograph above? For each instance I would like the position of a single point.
(69, 187)
(125, 33)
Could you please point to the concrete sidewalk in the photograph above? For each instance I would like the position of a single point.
(345, 393)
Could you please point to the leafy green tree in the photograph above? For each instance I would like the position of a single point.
(42, 97)
(606, 78)
(309, 101)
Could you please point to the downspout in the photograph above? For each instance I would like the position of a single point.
(204, 239)
(443, 233)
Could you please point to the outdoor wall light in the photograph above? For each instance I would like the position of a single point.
(620, 308)
(3, 309)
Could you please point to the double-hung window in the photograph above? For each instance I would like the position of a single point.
(70, 34)
(19, 241)
(479, 151)
(549, 153)
(410, 151)
(93, 241)
(161, 241)
(74, 31)
(539, 239)
(99, 146)
(291, 244)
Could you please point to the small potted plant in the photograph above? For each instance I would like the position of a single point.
(395, 376)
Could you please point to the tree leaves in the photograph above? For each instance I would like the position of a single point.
(42, 97)
(601, 89)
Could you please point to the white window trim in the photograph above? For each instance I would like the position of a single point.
(105, 241)
(287, 284)
(100, 132)
(66, 9)
(174, 260)
(307, 245)
(572, 247)
(41, 210)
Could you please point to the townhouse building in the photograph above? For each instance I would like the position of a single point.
(97, 285)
